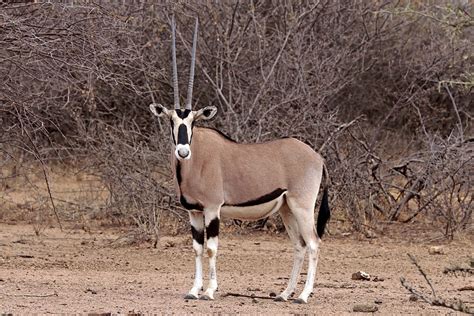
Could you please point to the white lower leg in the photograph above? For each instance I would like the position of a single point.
(197, 229)
(313, 249)
(212, 244)
(295, 272)
(197, 285)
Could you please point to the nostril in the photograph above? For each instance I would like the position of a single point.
(183, 153)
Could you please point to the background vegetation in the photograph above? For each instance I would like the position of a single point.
(382, 89)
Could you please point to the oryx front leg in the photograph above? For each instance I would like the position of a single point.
(212, 233)
(197, 229)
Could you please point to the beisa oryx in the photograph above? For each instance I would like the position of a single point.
(218, 178)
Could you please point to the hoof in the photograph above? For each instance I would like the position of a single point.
(299, 301)
(190, 296)
(206, 298)
(279, 299)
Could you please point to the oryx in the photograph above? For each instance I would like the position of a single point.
(216, 177)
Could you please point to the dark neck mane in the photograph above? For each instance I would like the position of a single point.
(220, 133)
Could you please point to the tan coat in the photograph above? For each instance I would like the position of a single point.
(222, 172)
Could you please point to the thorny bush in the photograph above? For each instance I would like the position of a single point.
(383, 89)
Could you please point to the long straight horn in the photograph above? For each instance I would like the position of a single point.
(175, 67)
(191, 71)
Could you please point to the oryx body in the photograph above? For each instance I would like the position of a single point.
(216, 177)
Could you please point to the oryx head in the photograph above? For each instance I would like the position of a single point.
(182, 120)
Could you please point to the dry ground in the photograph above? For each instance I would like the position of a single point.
(83, 272)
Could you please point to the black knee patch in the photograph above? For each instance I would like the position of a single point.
(198, 235)
(212, 230)
(302, 242)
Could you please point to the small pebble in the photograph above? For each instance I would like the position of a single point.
(370, 235)
(91, 291)
(360, 275)
(273, 294)
(436, 250)
(365, 308)
(254, 300)
(413, 298)
(378, 301)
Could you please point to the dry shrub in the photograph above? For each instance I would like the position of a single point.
(376, 87)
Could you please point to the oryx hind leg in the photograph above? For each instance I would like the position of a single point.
(303, 211)
(197, 228)
(292, 229)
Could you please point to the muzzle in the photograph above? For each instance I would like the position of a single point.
(182, 151)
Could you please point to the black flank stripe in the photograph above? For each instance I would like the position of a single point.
(263, 199)
(198, 235)
(212, 230)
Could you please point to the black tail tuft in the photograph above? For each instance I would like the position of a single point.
(324, 214)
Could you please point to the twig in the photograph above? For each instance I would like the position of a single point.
(32, 295)
(410, 195)
(458, 306)
(340, 128)
(45, 175)
(420, 209)
(454, 270)
(415, 292)
(413, 260)
(249, 296)
(275, 62)
(461, 130)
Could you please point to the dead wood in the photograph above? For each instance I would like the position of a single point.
(434, 300)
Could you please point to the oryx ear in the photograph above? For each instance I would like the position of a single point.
(159, 110)
(205, 113)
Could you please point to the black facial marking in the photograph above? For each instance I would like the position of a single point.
(263, 199)
(182, 200)
(183, 134)
(182, 114)
(178, 172)
(190, 206)
(172, 130)
(198, 235)
(212, 230)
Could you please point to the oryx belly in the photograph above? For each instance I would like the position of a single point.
(253, 212)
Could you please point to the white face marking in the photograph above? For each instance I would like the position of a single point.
(182, 142)
(182, 152)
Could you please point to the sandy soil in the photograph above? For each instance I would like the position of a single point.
(83, 272)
